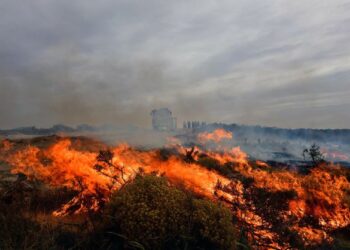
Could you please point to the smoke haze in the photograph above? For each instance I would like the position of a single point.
(276, 63)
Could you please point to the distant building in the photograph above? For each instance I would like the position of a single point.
(162, 120)
(193, 124)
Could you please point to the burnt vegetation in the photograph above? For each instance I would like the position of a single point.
(147, 213)
(152, 212)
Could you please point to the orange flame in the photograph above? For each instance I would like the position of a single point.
(233, 155)
(60, 165)
(215, 136)
(320, 194)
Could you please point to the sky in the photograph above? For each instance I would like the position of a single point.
(274, 62)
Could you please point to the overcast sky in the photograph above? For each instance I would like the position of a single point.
(278, 63)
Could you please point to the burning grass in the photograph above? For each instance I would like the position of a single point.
(271, 208)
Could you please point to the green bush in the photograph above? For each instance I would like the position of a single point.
(150, 211)
(158, 216)
(213, 225)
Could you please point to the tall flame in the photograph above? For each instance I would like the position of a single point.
(319, 194)
(61, 165)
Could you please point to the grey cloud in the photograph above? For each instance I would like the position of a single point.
(281, 63)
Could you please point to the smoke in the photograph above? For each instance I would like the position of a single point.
(113, 62)
(73, 92)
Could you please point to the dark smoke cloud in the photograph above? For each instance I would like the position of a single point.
(279, 63)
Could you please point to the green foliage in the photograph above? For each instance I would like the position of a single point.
(158, 216)
(213, 225)
(150, 211)
(146, 214)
